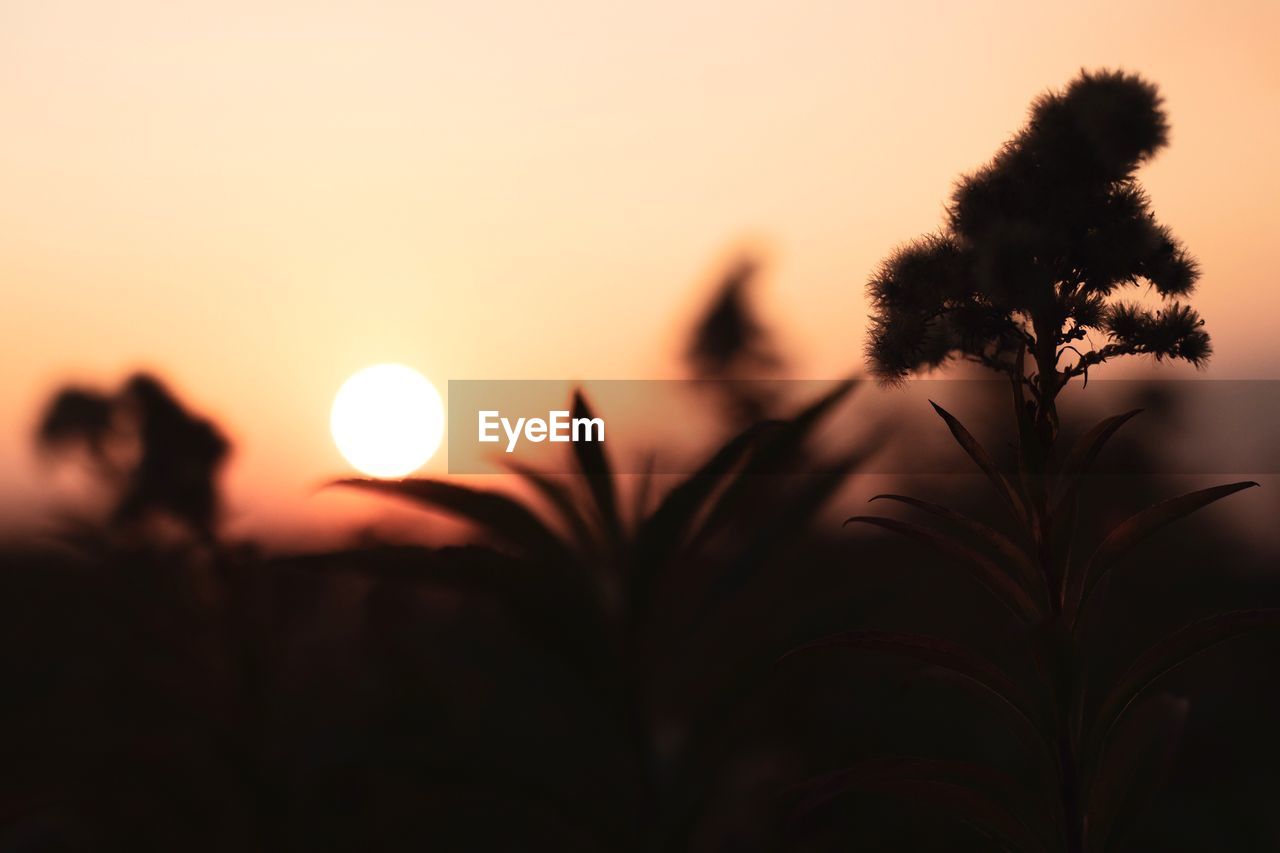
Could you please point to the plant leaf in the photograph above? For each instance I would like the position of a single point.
(561, 499)
(983, 460)
(593, 461)
(666, 528)
(1087, 448)
(775, 455)
(643, 490)
(500, 515)
(1071, 479)
(1138, 527)
(786, 522)
(1136, 764)
(985, 570)
(1029, 575)
(1085, 452)
(1167, 655)
(946, 655)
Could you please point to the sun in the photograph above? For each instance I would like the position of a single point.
(387, 420)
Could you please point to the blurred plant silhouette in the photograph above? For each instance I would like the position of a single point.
(158, 458)
(732, 347)
(630, 604)
(1036, 243)
(643, 588)
(649, 587)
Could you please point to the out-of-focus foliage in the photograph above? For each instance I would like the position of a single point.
(733, 349)
(641, 592)
(159, 458)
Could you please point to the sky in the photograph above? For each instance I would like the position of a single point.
(258, 199)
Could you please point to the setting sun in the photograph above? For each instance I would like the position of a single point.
(387, 420)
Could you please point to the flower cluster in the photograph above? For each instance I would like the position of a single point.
(1037, 243)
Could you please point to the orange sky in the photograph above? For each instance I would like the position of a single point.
(260, 202)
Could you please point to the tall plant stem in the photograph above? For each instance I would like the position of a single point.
(1040, 427)
(1048, 381)
(1070, 788)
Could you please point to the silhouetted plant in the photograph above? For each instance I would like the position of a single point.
(1036, 245)
(730, 346)
(158, 457)
(642, 587)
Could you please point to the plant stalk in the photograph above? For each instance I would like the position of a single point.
(1034, 473)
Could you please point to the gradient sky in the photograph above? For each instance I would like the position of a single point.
(258, 202)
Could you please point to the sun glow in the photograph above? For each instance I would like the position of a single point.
(387, 420)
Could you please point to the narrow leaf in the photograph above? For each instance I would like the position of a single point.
(640, 505)
(1086, 451)
(1167, 655)
(1023, 568)
(983, 460)
(593, 461)
(776, 454)
(1138, 527)
(500, 515)
(787, 521)
(985, 570)
(1071, 479)
(1136, 764)
(670, 522)
(561, 499)
(1087, 448)
(667, 530)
